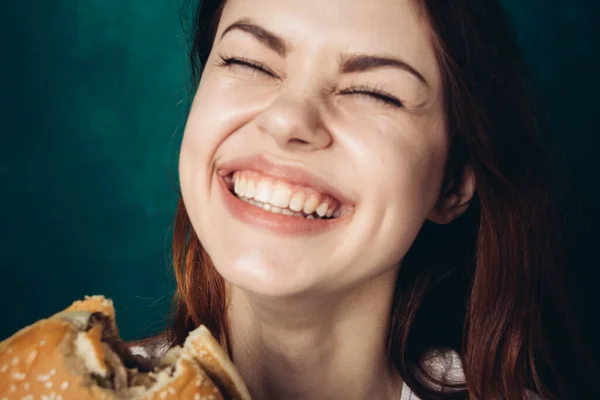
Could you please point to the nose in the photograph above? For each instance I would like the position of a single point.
(295, 124)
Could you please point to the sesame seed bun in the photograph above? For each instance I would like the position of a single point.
(77, 354)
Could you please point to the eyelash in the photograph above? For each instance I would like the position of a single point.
(376, 94)
(373, 93)
(246, 63)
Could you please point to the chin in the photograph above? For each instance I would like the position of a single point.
(265, 277)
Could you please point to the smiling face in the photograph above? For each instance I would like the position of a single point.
(328, 114)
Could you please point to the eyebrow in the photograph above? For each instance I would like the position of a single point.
(349, 63)
(362, 63)
(267, 38)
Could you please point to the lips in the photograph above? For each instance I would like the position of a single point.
(277, 219)
(292, 175)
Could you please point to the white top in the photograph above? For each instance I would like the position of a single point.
(407, 394)
(449, 368)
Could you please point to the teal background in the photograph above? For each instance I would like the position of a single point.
(93, 105)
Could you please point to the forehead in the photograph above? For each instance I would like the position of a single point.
(393, 27)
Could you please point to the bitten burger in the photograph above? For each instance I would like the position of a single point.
(77, 354)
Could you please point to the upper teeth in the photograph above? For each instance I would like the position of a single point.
(276, 210)
(252, 185)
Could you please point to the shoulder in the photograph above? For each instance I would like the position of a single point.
(150, 348)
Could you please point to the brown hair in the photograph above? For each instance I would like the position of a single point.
(493, 288)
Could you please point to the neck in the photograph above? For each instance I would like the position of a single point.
(321, 347)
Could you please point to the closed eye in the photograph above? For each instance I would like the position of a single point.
(375, 94)
(371, 93)
(253, 66)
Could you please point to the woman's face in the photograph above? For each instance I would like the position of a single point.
(316, 107)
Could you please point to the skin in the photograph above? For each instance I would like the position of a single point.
(309, 313)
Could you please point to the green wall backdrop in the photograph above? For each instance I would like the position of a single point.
(93, 105)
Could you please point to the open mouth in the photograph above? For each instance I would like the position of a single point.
(280, 197)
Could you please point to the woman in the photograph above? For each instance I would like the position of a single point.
(366, 211)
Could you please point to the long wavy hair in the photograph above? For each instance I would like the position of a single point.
(489, 285)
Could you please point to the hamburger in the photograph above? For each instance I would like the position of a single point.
(77, 354)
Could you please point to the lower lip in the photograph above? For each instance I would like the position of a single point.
(277, 223)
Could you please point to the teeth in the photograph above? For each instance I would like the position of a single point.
(322, 209)
(236, 188)
(277, 197)
(281, 196)
(263, 192)
(250, 190)
(273, 209)
(297, 202)
(243, 183)
(276, 210)
(310, 205)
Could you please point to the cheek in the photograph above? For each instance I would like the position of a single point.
(403, 183)
(401, 168)
(408, 192)
(200, 139)
(194, 147)
(210, 120)
(401, 159)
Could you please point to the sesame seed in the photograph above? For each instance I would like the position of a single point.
(211, 397)
(18, 376)
(58, 397)
(31, 356)
(26, 386)
(163, 395)
(48, 384)
(43, 377)
(9, 350)
(42, 342)
(64, 385)
(4, 368)
(12, 387)
(52, 372)
(172, 390)
(197, 397)
(14, 361)
(28, 397)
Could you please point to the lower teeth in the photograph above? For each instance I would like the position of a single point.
(277, 210)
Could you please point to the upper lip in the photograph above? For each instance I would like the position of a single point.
(292, 174)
